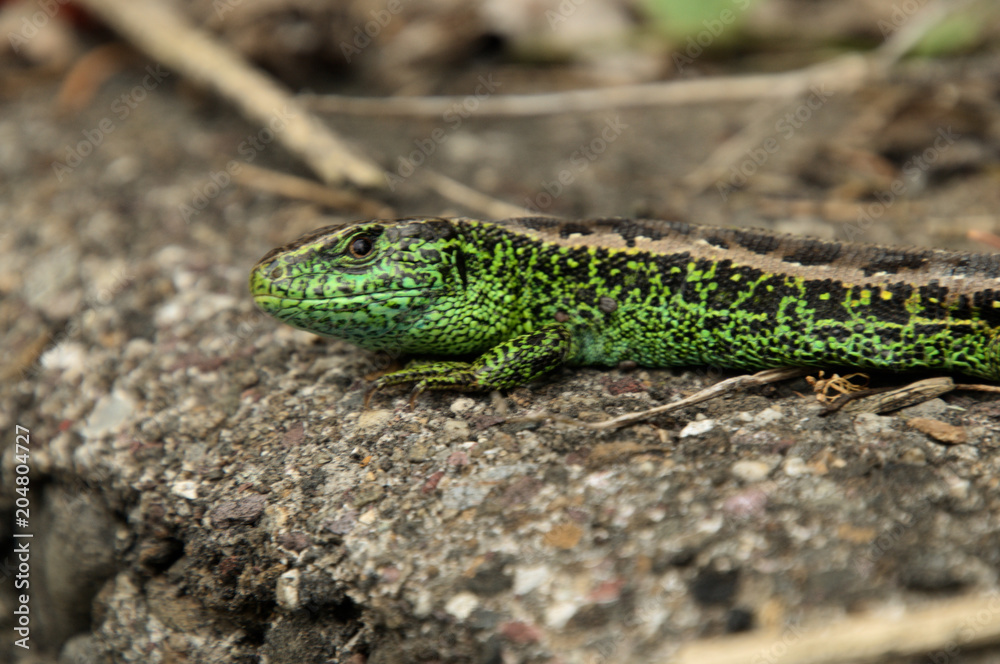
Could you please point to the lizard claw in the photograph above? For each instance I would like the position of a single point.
(369, 393)
(417, 390)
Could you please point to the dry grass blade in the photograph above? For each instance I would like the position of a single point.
(297, 188)
(723, 387)
(888, 400)
(844, 73)
(991, 240)
(161, 32)
(459, 193)
(939, 629)
(89, 72)
(755, 132)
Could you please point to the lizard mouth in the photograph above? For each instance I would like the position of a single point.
(278, 304)
(347, 320)
(323, 302)
(291, 308)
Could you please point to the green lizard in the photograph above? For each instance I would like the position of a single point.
(518, 298)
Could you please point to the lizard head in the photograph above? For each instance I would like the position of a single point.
(367, 282)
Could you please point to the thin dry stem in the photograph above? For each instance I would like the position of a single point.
(168, 37)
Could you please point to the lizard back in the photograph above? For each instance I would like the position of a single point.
(665, 293)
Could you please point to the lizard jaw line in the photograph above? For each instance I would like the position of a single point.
(323, 302)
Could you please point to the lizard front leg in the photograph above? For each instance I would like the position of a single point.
(514, 362)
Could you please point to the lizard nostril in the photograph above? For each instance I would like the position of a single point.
(277, 272)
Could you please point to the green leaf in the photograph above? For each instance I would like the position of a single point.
(957, 33)
(717, 19)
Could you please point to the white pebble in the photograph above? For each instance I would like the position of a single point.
(697, 428)
(751, 471)
(462, 404)
(795, 467)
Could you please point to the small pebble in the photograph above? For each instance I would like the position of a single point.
(767, 416)
(914, 456)
(933, 408)
(185, 489)
(949, 434)
(747, 503)
(697, 428)
(462, 605)
(456, 430)
(461, 405)
(286, 591)
(869, 426)
(373, 419)
(751, 471)
(795, 467)
(110, 412)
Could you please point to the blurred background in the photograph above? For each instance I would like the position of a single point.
(928, 66)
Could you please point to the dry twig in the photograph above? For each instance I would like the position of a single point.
(843, 73)
(941, 629)
(721, 388)
(987, 238)
(878, 63)
(459, 193)
(165, 35)
(297, 188)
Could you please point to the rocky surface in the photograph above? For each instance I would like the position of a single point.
(206, 487)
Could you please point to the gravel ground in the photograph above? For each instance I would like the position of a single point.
(206, 487)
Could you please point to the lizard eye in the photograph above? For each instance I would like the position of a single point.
(361, 246)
